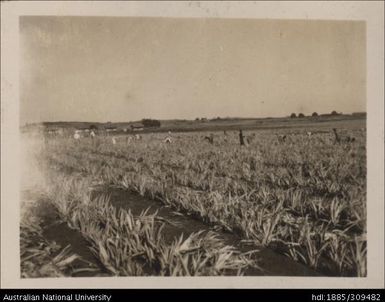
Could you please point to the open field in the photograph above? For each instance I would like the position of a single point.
(272, 207)
(310, 123)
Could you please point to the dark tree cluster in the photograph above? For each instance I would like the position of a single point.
(147, 123)
(293, 115)
(315, 114)
(301, 115)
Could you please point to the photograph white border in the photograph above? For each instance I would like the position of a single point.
(372, 12)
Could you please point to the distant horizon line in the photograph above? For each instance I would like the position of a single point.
(194, 119)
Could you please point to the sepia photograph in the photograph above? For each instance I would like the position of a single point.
(166, 146)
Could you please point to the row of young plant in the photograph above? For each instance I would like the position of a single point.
(40, 257)
(129, 245)
(308, 230)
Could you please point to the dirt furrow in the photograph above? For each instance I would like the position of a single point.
(271, 263)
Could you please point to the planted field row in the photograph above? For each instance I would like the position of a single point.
(312, 207)
(129, 245)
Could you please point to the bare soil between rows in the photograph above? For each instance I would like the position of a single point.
(270, 262)
(55, 230)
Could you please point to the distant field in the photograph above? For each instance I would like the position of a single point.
(265, 124)
(311, 123)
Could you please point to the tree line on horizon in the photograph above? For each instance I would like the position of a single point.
(315, 114)
(155, 123)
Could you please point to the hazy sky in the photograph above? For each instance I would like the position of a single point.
(122, 69)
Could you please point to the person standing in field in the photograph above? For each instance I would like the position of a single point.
(76, 135)
(241, 138)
